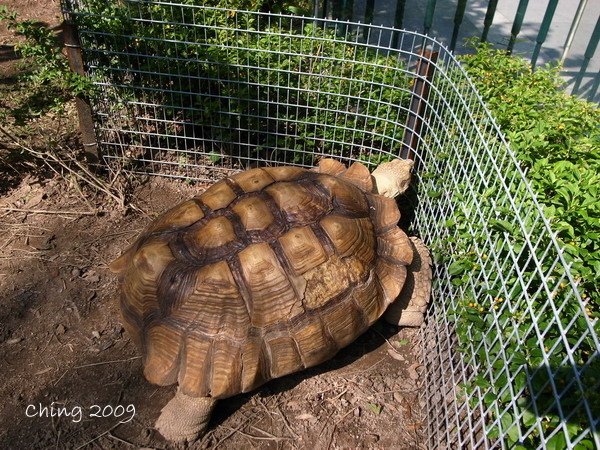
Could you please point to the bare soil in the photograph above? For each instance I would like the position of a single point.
(71, 378)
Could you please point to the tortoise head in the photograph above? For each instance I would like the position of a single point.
(392, 178)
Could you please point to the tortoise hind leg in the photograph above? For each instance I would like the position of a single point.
(409, 308)
(185, 418)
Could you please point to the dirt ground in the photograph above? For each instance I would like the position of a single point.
(71, 378)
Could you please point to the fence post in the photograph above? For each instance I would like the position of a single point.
(458, 19)
(418, 102)
(489, 19)
(517, 24)
(544, 28)
(84, 110)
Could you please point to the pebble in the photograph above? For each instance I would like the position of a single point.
(61, 329)
(394, 354)
(371, 439)
(307, 416)
(412, 371)
(356, 412)
(75, 272)
(92, 276)
(14, 341)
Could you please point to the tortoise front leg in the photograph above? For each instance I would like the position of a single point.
(185, 418)
(409, 308)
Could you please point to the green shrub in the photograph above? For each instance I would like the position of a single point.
(273, 85)
(556, 137)
(495, 227)
(47, 80)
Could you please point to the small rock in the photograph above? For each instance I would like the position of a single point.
(398, 397)
(92, 276)
(293, 404)
(35, 200)
(60, 329)
(344, 402)
(394, 354)
(378, 386)
(95, 334)
(94, 279)
(76, 272)
(356, 412)
(412, 371)
(14, 341)
(371, 439)
(307, 416)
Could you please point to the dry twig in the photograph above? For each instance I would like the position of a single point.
(80, 171)
(49, 211)
(99, 436)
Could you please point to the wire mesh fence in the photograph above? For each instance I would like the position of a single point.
(511, 345)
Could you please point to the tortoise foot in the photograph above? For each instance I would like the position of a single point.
(185, 418)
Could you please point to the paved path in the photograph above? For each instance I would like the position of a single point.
(500, 32)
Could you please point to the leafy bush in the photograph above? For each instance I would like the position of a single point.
(276, 87)
(556, 137)
(516, 298)
(49, 81)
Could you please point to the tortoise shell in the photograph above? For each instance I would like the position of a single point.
(267, 272)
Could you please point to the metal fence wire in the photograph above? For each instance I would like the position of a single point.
(511, 345)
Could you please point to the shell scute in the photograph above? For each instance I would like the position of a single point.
(385, 213)
(194, 377)
(218, 196)
(302, 249)
(346, 197)
(367, 300)
(180, 216)
(255, 366)
(331, 166)
(359, 175)
(162, 350)
(273, 297)
(299, 203)
(351, 236)
(344, 322)
(285, 357)
(226, 377)
(285, 173)
(314, 342)
(253, 180)
(215, 306)
(254, 213)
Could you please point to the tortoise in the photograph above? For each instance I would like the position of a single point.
(268, 272)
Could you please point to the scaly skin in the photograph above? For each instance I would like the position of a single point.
(185, 418)
(409, 308)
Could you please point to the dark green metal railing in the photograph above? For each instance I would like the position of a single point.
(345, 10)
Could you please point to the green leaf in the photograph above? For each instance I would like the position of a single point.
(375, 408)
(557, 442)
(459, 267)
(502, 225)
(518, 358)
(584, 444)
(529, 418)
